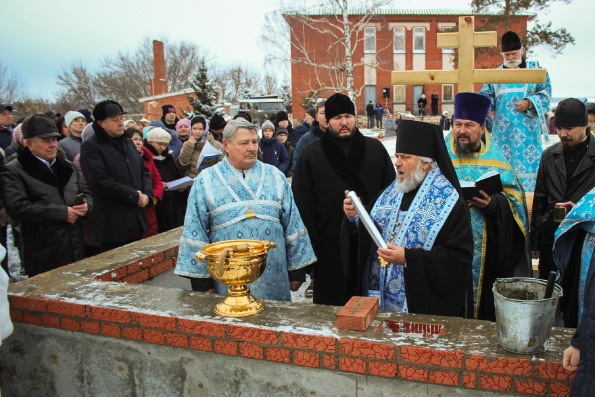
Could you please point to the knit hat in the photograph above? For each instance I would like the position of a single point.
(281, 115)
(165, 109)
(126, 122)
(510, 42)
(158, 135)
(282, 131)
(311, 112)
(183, 122)
(39, 125)
(571, 113)
(268, 124)
(338, 104)
(590, 107)
(217, 122)
(106, 109)
(87, 114)
(471, 106)
(88, 132)
(70, 116)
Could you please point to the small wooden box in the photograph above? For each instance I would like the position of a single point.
(358, 313)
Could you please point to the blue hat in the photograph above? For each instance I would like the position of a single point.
(470, 106)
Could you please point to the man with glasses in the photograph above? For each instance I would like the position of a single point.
(118, 178)
(519, 114)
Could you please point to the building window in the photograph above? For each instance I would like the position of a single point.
(448, 29)
(370, 40)
(399, 39)
(399, 91)
(447, 92)
(419, 39)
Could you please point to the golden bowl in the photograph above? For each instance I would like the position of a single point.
(236, 263)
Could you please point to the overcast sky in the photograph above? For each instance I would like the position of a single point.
(42, 37)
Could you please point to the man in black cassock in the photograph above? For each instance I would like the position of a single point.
(424, 220)
(565, 174)
(499, 221)
(342, 159)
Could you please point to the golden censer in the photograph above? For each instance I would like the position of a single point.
(236, 263)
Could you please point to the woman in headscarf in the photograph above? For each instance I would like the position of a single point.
(189, 156)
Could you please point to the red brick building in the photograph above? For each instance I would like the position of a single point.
(389, 40)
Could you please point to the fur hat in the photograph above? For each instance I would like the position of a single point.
(39, 125)
(105, 109)
(158, 135)
(338, 104)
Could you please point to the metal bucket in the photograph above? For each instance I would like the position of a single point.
(523, 318)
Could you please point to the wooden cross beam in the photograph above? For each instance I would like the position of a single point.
(466, 40)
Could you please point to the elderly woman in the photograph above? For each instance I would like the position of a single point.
(189, 156)
(170, 210)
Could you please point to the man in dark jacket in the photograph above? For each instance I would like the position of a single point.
(421, 104)
(435, 100)
(43, 192)
(565, 175)
(318, 127)
(169, 117)
(118, 178)
(5, 126)
(342, 159)
(304, 128)
(370, 112)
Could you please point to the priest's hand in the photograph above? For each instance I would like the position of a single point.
(523, 105)
(295, 285)
(393, 254)
(570, 205)
(481, 202)
(572, 357)
(348, 206)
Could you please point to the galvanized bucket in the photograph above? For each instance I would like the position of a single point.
(523, 318)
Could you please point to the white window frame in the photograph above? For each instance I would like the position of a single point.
(369, 31)
(395, 51)
(395, 94)
(417, 31)
(452, 91)
(446, 29)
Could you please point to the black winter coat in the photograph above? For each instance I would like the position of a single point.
(553, 187)
(170, 211)
(584, 340)
(39, 198)
(114, 173)
(320, 179)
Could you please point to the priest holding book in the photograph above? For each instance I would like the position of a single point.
(499, 216)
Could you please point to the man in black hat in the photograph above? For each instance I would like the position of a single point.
(304, 128)
(424, 220)
(118, 179)
(499, 220)
(43, 192)
(342, 159)
(519, 113)
(565, 175)
(169, 117)
(216, 126)
(6, 123)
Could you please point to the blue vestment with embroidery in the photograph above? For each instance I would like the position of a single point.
(256, 204)
(471, 168)
(518, 134)
(418, 227)
(582, 216)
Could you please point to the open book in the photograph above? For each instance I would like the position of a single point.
(489, 183)
(179, 183)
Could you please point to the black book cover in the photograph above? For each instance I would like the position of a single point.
(491, 183)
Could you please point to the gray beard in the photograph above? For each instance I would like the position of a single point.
(464, 149)
(413, 180)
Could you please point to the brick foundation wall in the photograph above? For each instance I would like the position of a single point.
(100, 297)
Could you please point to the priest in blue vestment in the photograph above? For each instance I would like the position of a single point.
(424, 220)
(499, 220)
(243, 198)
(519, 114)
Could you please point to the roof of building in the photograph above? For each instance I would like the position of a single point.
(411, 11)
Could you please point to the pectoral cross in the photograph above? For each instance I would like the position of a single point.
(466, 40)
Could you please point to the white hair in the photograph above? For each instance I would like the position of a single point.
(230, 129)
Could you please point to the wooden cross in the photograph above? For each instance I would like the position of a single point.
(466, 40)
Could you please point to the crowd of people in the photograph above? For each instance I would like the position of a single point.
(89, 182)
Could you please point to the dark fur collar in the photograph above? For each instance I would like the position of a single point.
(347, 166)
(36, 169)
